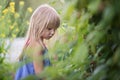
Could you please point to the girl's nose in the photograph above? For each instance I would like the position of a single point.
(53, 32)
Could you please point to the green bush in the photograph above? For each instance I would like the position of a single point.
(12, 23)
(89, 48)
(91, 51)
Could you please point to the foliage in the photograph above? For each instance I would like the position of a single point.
(89, 46)
(12, 23)
(91, 49)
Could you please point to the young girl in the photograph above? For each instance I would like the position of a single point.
(43, 24)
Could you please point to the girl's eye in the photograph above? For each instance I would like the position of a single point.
(49, 28)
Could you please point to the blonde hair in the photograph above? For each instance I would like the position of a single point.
(43, 17)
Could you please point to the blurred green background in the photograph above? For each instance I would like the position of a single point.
(89, 31)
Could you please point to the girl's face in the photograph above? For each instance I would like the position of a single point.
(48, 32)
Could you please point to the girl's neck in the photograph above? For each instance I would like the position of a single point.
(41, 41)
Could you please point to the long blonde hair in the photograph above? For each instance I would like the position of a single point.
(41, 18)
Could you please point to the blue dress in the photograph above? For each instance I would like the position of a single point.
(28, 69)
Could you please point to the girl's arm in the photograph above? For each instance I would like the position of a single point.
(38, 58)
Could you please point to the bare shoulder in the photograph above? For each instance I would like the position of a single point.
(33, 48)
(36, 46)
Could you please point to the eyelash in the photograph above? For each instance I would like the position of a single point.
(49, 28)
